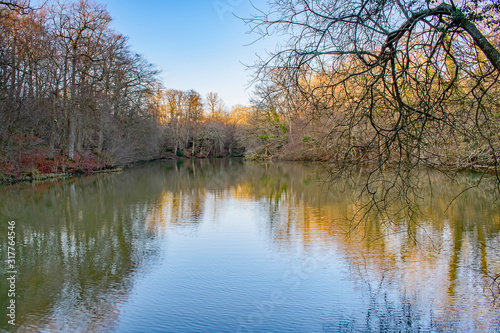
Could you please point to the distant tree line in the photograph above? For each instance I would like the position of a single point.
(197, 127)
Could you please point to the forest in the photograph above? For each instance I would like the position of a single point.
(386, 84)
(76, 98)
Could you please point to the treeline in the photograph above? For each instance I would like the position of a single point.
(331, 117)
(197, 127)
(69, 80)
(75, 97)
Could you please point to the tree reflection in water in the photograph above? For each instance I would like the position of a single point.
(79, 244)
(82, 243)
(444, 255)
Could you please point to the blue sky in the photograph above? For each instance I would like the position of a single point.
(197, 44)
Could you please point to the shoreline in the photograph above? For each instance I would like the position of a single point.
(12, 179)
(38, 178)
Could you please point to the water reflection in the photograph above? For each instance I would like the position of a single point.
(215, 229)
(78, 246)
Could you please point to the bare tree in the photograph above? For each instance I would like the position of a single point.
(215, 105)
(71, 84)
(18, 6)
(79, 27)
(402, 84)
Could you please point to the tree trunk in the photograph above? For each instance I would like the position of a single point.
(484, 44)
(445, 9)
(72, 137)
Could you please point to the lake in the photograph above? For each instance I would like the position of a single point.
(232, 246)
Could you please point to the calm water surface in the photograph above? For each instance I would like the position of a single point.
(228, 246)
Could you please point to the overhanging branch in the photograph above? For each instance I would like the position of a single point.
(458, 18)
